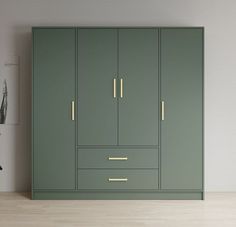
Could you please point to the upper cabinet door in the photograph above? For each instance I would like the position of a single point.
(97, 67)
(182, 92)
(138, 81)
(53, 92)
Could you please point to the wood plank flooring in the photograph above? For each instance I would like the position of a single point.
(218, 210)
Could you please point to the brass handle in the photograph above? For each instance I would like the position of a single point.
(114, 88)
(72, 110)
(162, 110)
(117, 158)
(121, 88)
(118, 179)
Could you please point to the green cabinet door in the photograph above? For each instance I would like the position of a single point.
(182, 91)
(97, 67)
(53, 92)
(138, 67)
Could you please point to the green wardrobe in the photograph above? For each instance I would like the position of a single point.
(117, 113)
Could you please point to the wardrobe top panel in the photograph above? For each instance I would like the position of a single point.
(143, 27)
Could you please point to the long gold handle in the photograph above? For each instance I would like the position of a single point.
(114, 88)
(72, 110)
(118, 179)
(121, 88)
(162, 110)
(117, 158)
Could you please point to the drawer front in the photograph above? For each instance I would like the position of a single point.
(117, 179)
(118, 158)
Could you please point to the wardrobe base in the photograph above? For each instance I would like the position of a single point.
(59, 195)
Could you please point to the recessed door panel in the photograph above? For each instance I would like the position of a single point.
(97, 69)
(138, 87)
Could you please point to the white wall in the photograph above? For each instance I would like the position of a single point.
(219, 19)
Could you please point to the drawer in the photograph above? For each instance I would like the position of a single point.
(117, 179)
(117, 158)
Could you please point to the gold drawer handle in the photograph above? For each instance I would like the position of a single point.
(117, 158)
(118, 179)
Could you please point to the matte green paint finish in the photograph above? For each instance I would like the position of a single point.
(98, 179)
(53, 91)
(136, 158)
(119, 195)
(97, 66)
(104, 54)
(182, 90)
(138, 109)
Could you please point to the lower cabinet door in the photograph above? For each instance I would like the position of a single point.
(117, 179)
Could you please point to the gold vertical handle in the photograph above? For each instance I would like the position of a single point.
(114, 88)
(162, 110)
(121, 88)
(72, 110)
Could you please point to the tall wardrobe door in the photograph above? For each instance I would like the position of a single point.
(182, 93)
(54, 91)
(138, 87)
(97, 100)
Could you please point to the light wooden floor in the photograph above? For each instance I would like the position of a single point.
(218, 210)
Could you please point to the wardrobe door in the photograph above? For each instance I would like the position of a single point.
(138, 86)
(182, 94)
(97, 99)
(53, 93)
